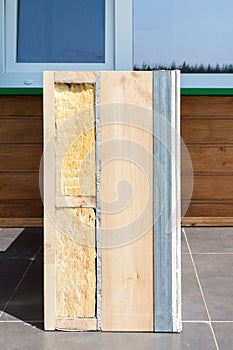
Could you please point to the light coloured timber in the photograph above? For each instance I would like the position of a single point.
(82, 324)
(75, 77)
(49, 205)
(75, 202)
(127, 263)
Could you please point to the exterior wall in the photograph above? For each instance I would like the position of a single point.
(207, 129)
(21, 139)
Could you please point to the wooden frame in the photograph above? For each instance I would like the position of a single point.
(49, 205)
(53, 202)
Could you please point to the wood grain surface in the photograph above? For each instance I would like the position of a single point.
(127, 269)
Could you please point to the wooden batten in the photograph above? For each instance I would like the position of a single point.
(75, 202)
(49, 205)
(75, 77)
(76, 324)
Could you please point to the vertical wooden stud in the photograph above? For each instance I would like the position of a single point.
(71, 116)
(49, 204)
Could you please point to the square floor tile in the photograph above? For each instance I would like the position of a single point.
(224, 335)
(27, 302)
(19, 336)
(216, 276)
(193, 307)
(210, 239)
(184, 248)
(11, 272)
(8, 236)
(20, 244)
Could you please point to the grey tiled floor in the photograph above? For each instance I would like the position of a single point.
(207, 293)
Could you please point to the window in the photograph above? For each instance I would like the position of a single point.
(63, 35)
(52, 32)
(193, 35)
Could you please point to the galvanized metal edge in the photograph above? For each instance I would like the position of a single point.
(176, 203)
(98, 207)
(165, 110)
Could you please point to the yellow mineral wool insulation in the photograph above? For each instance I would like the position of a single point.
(75, 263)
(75, 139)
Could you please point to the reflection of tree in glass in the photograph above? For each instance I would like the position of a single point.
(188, 68)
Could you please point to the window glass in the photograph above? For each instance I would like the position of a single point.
(193, 35)
(61, 31)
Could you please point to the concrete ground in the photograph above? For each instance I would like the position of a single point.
(207, 293)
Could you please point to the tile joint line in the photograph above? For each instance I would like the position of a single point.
(201, 290)
(20, 281)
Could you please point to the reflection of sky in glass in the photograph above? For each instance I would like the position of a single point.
(61, 31)
(197, 31)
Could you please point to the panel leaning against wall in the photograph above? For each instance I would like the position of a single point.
(112, 201)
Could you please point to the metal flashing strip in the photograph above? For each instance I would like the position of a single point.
(98, 207)
(166, 202)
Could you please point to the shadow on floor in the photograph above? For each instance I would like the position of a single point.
(21, 275)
